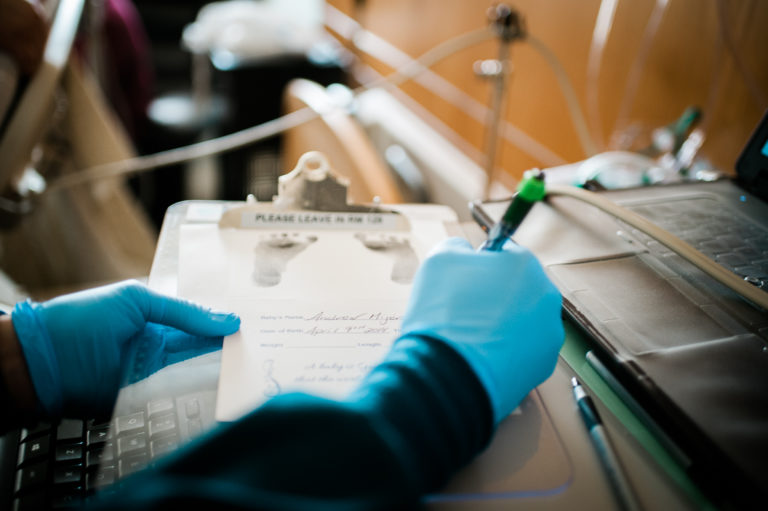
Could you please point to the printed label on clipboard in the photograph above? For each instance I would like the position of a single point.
(322, 220)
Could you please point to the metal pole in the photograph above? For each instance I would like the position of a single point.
(509, 26)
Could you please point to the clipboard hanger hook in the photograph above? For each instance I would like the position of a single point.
(314, 185)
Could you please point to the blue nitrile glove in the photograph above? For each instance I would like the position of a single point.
(497, 309)
(158, 346)
(75, 345)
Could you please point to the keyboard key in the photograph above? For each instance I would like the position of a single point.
(33, 450)
(131, 464)
(97, 423)
(159, 407)
(715, 247)
(70, 430)
(131, 444)
(759, 243)
(750, 253)
(696, 237)
(98, 435)
(37, 430)
(192, 408)
(100, 456)
(31, 476)
(68, 475)
(731, 260)
(748, 271)
(731, 240)
(100, 479)
(129, 423)
(163, 445)
(162, 425)
(69, 453)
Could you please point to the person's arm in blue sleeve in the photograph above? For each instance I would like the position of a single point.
(481, 330)
(67, 356)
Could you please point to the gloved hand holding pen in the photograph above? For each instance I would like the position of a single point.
(497, 309)
(75, 345)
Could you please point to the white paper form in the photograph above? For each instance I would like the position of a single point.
(318, 318)
(320, 305)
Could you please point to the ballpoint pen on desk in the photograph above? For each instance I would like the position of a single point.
(529, 190)
(618, 481)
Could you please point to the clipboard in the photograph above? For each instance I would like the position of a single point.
(317, 319)
(320, 284)
(527, 458)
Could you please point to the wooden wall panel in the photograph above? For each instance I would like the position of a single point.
(687, 63)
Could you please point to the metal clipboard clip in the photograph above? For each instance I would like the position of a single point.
(313, 195)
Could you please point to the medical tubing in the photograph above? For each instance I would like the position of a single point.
(474, 109)
(638, 65)
(577, 116)
(267, 129)
(439, 86)
(600, 33)
(431, 57)
(190, 152)
(683, 249)
(301, 116)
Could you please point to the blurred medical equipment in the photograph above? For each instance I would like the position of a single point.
(409, 69)
(412, 176)
(60, 123)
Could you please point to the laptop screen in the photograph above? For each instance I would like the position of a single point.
(752, 165)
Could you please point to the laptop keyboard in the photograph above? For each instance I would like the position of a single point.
(730, 239)
(59, 465)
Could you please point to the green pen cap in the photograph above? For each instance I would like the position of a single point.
(531, 187)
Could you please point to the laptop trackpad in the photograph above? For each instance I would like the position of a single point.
(644, 309)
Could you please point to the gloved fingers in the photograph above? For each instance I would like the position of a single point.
(181, 345)
(510, 246)
(455, 244)
(461, 245)
(187, 316)
(158, 346)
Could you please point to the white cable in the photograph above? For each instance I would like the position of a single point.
(265, 130)
(683, 249)
(186, 153)
(296, 118)
(577, 116)
(392, 56)
(603, 24)
(638, 64)
(433, 56)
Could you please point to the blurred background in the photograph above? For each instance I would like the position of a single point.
(634, 66)
(500, 88)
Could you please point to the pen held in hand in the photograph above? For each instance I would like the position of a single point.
(529, 190)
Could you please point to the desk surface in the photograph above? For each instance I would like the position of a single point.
(658, 480)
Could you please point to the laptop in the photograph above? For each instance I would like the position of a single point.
(689, 352)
